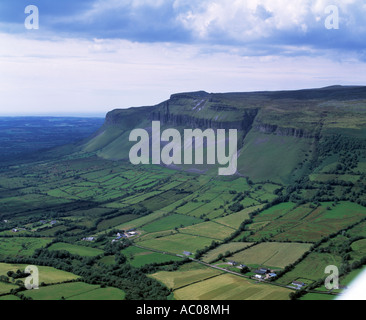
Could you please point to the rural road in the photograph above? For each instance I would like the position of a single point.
(214, 267)
(229, 271)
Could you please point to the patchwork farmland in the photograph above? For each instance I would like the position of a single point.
(201, 236)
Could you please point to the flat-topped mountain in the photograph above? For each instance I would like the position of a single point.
(280, 132)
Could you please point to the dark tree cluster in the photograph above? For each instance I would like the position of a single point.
(132, 281)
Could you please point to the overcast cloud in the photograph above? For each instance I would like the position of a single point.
(94, 55)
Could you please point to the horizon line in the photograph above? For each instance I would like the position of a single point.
(102, 114)
(54, 115)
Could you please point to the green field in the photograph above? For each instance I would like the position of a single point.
(177, 243)
(154, 235)
(137, 223)
(7, 287)
(327, 177)
(358, 249)
(275, 212)
(139, 257)
(359, 230)
(190, 207)
(234, 220)
(109, 223)
(230, 287)
(107, 294)
(271, 254)
(209, 229)
(47, 275)
(310, 224)
(9, 297)
(182, 278)
(231, 247)
(108, 260)
(171, 222)
(76, 249)
(75, 291)
(312, 267)
(14, 247)
(317, 297)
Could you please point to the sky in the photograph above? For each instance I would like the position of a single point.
(92, 56)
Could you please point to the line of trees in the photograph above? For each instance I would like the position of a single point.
(121, 275)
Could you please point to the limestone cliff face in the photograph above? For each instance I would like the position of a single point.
(128, 119)
(244, 122)
(241, 111)
(282, 131)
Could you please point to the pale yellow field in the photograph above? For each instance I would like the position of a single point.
(141, 221)
(177, 279)
(231, 287)
(209, 229)
(47, 275)
(272, 254)
(234, 220)
(6, 287)
(232, 247)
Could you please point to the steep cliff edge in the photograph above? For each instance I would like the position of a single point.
(272, 126)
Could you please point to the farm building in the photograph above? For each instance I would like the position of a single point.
(187, 253)
(121, 235)
(232, 263)
(272, 275)
(261, 271)
(89, 239)
(298, 284)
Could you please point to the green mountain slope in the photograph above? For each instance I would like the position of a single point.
(279, 132)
